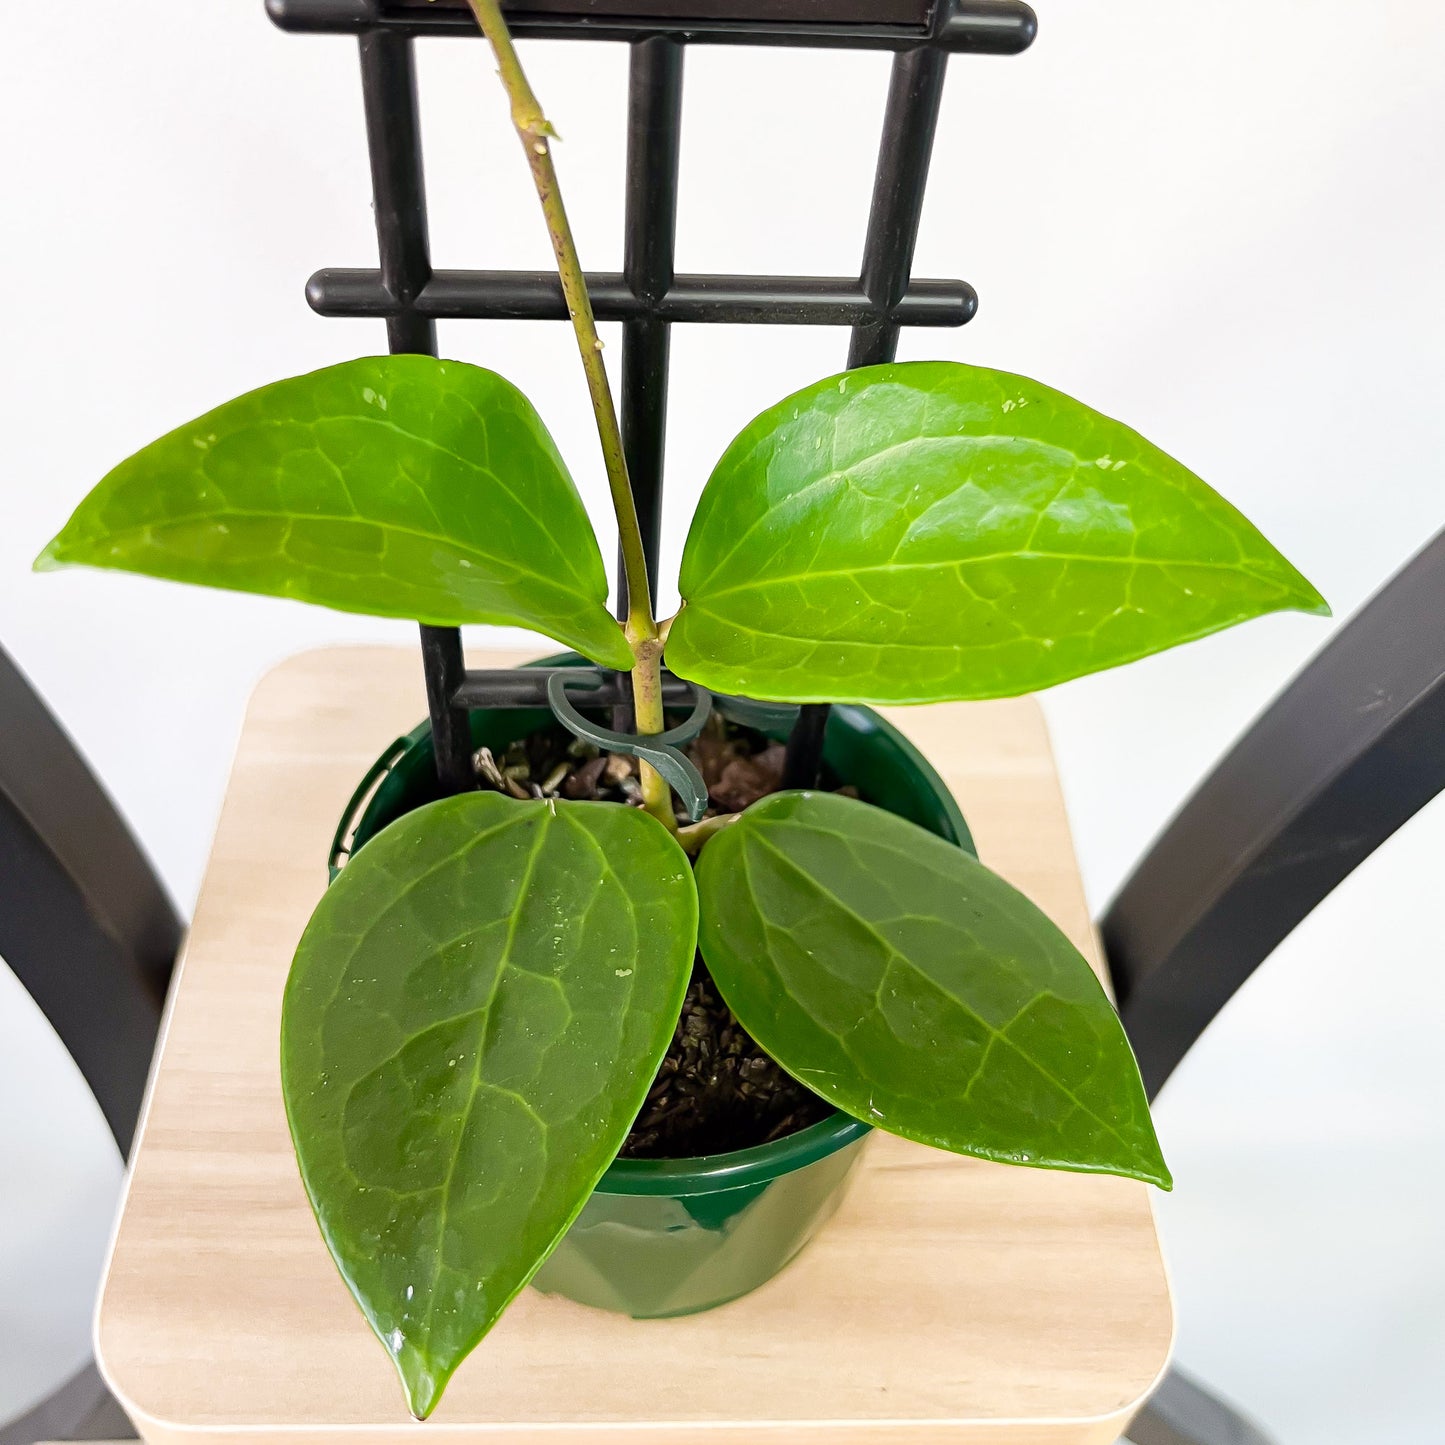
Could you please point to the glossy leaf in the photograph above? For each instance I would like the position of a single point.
(926, 531)
(910, 986)
(399, 486)
(473, 1019)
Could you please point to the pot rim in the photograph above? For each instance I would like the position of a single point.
(860, 716)
(711, 1173)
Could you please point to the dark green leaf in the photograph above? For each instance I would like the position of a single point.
(926, 531)
(473, 1019)
(399, 486)
(908, 985)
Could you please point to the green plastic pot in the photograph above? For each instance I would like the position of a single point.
(662, 1237)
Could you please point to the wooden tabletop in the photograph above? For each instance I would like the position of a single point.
(949, 1300)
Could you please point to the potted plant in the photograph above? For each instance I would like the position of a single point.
(611, 937)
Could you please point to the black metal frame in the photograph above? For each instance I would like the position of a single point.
(88, 930)
(647, 297)
(84, 923)
(1352, 749)
(1347, 754)
(1182, 1412)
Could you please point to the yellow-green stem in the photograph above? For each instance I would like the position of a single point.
(647, 709)
(535, 133)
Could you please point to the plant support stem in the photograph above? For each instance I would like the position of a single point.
(536, 134)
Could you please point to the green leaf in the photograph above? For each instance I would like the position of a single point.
(899, 978)
(399, 486)
(930, 531)
(473, 1019)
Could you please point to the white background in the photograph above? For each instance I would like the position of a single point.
(1221, 222)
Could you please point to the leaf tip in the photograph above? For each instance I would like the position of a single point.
(1149, 1167)
(424, 1386)
(1301, 595)
(1304, 596)
(51, 558)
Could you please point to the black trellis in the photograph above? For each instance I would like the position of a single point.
(648, 296)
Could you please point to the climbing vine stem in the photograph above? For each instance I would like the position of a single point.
(536, 134)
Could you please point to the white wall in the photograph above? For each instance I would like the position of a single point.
(1223, 223)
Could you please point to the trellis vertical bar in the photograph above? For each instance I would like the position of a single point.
(803, 761)
(393, 136)
(910, 118)
(654, 129)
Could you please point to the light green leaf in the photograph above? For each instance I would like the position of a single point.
(399, 486)
(473, 1019)
(927, 531)
(907, 984)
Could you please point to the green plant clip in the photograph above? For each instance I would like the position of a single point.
(765, 716)
(657, 749)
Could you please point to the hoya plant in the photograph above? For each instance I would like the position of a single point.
(481, 1001)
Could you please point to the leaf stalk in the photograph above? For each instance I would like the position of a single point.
(695, 835)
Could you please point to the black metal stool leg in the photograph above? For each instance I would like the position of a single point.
(1181, 1412)
(89, 932)
(63, 1414)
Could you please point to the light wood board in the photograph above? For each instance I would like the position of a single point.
(950, 1300)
